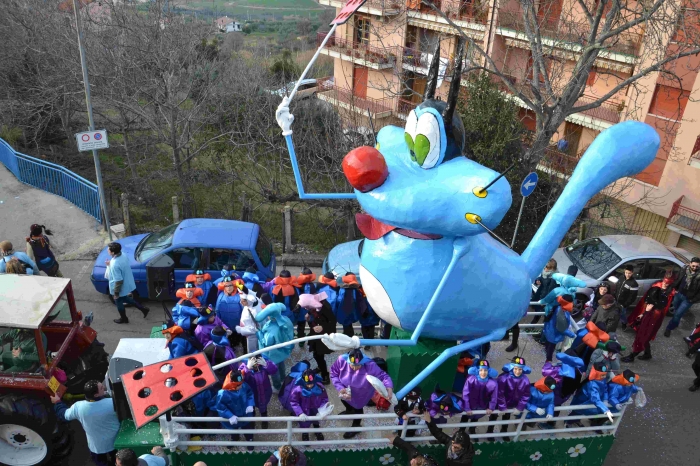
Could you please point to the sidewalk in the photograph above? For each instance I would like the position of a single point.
(75, 233)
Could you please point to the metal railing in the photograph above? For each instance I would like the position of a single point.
(607, 111)
(361, 104)
(53, 179)
(404, 106)
(359, 50)
(568, 32)
(684, 217)
(171, 432)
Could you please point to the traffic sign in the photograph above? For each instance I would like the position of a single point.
(90, 140)
(529, 183)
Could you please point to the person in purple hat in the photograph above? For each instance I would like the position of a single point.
(349, 376)
(256, 373)
(443, 405)
(513, 390)
(207, 321)
(480, 392)
(219, 349)
(308, 395)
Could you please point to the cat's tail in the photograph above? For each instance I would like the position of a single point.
(620, 151)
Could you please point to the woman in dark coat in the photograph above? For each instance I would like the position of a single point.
(322, 321)
(648, 317)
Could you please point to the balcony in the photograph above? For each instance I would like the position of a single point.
(377, 58)
(557, 161)
(608, 111)
(404, 107)
(573, 34)
(471, 18)
(419, 62)
(684, 220)
(372, 7)
(344, 98)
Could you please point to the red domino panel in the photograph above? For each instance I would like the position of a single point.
(348, 10)
(155, 389)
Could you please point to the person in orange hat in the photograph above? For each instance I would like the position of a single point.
(556, 325)
(594, 392)
(179, 343)
(648, 317)
(234, 400)
(203, 281)
(186, 310)
(305, 283)
(285, 291)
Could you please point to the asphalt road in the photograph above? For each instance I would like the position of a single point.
(663, 433)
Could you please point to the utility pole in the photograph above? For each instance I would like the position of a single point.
(91, 120)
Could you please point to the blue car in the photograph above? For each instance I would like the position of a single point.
(343, 258)
(162, 260)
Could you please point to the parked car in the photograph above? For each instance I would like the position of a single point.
(307, 88)
(343, 258)
(197, 243)
(600, 258)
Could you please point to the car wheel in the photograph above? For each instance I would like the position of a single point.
(26, 431)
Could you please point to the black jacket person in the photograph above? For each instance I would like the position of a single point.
(459, 451)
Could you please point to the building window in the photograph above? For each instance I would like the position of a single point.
(668, 102)
(362, 30)
(688, 26)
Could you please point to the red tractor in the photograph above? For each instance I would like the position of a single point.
(46, 348)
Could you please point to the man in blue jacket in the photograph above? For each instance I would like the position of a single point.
(121, 282)
(7, 253)
(97, 416)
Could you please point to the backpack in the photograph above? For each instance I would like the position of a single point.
(289, 381)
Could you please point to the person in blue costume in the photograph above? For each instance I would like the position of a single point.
(203, 282)
(201, 405)
(7, 252)
(513, 390)
(593, 392)
(225, 272)
(219, 348)
(234, 400)
(284, 291)
(180, 343)
(567, 374)
(621, 388)
(275, 329)
(480, 392)
(254, 283)
(185, 313)
(352, 303)
(229, 309)
(206, 322)
(329, 285)
(541, 402)
(308, 395)
(368, 321)
(556, 325)
(305, 285)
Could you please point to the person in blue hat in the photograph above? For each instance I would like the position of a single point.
(206, 322)
(308, 395)
(234, 400)
(593, 392)
(229, 309)
(513, 390)
(621, 389)
(480, 392)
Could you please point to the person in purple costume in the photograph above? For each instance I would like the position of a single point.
(567, 374)
(257, 371)
(480, 392)
(513, 391)
(219, 349)
(349, 376)
(307, 396)
(206, 323)
(442, 405)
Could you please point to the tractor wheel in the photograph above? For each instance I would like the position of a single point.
(91, 365)
(28, 427)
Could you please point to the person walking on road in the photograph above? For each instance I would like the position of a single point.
(98, 418)
(7, 253)
(39, 250)
(687, 293)
(626, 294)
(121, 282)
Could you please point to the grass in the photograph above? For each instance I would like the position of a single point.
(242, 8)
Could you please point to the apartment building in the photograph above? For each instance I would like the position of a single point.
(381, 60)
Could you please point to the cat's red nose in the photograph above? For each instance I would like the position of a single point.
(365, 168)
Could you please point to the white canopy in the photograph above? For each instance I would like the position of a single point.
(26, 300)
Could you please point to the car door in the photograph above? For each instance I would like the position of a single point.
(186, 259)
(640, 267)
(658, 268)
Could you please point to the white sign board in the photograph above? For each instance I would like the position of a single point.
(90, 140)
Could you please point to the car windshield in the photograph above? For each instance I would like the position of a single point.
(154, 242)
(592, 257)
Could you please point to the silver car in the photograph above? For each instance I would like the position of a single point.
(598, 259)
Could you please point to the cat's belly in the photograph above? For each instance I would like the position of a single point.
(488, 289)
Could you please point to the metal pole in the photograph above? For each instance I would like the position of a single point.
(91, 120)
(517, 224)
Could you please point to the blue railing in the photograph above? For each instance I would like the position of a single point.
(53, 179)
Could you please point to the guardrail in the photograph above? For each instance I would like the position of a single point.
(53, 179)
(171, 432)
(384, 56)
(684, 217)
